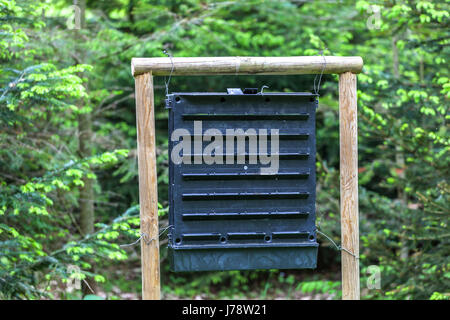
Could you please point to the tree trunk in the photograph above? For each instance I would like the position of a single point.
(86, 200)
(399, 156)
(86, 191)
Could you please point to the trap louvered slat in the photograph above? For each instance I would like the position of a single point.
(246, 117)
(244, 215)
(243, 175)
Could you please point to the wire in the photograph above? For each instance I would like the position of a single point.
(339, 248)
(171, 71)
(144, 236)
(317, 89)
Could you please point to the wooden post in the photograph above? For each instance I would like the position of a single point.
(148, 192)
(348, 128)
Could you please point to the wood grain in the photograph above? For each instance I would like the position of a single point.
(348, 127)
(245, 65)
(148, 192)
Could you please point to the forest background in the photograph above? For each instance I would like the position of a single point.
(68, 165)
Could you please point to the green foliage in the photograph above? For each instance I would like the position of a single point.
(320, 286)
(40, 173)
(440, 296)
(404, 127)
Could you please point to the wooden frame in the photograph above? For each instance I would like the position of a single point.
(143, 70)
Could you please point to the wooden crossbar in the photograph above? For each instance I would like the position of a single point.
(245, 65)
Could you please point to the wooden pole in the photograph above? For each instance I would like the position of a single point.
(348, 128)
(148, 188)
(191, 66)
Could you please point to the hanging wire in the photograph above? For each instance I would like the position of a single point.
(144, 236)
(171, 71)
(262, 89)
(338, 247)
(164, 230)
(134, 243)
(317, 89)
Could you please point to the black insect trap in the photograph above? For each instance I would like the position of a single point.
(242, 180)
